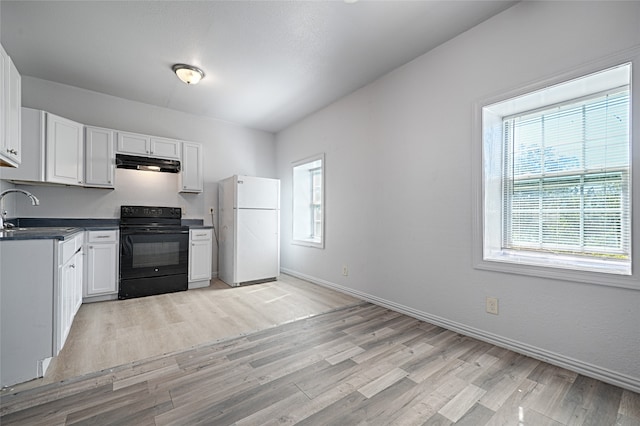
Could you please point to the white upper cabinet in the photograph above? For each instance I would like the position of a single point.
(132, 143)
(165, 148)
(65, 151)
(10, 112)
(34, 123)
(4, 59)
(99, 158)
(191, 176)
(148, 146)
(53, 150)
(62, 151)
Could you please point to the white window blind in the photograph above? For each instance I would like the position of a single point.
(566, 178)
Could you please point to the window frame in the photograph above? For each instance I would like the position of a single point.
(485, 236)
(313, 240)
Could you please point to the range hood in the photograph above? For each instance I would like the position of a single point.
(146, 163)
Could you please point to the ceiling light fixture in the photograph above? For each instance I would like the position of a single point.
(188, 73)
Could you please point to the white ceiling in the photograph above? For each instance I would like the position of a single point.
(268, 63)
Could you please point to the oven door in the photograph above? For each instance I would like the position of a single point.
(153, 253)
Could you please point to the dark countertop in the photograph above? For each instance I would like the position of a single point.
(63, 228)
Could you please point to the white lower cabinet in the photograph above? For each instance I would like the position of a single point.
(102, 263)
(68, 296)
(27, 280)
(200, 251)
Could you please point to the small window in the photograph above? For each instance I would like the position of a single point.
(556, 176)
(308, 202)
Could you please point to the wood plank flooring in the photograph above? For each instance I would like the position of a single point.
(351, 365)
(113, 333)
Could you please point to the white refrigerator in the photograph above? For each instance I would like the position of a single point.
(249, 230)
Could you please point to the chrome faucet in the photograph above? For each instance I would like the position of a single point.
(34, 202)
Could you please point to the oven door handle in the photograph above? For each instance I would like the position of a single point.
(150, 231)
(126, 246)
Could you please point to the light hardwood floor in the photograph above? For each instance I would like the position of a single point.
(109, 334)
(356, 363)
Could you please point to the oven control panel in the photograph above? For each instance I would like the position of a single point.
(150, 212)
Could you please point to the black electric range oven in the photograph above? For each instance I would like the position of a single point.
(154, 251)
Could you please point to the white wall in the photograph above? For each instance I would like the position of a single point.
(399, 190)
(228, 149)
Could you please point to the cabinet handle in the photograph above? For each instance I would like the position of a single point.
(200, 235)
(72, 266)
(102, 236)
(12, 151)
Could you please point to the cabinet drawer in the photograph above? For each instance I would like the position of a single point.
(103, 236)
(200, 234)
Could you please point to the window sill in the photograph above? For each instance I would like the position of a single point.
(569, 268)
(317, 243)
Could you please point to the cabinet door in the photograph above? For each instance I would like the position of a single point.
(4, 60)
(65, 151)
(200, 255)
(101, 269)
(12, 125)
(165, 148)
(133, 143)
(99, 157)
(33, 134)
(10, 110)
(78, 267)
(66, 284)
(191, 177)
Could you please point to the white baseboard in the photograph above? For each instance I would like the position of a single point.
(199, 284)
(589, 370)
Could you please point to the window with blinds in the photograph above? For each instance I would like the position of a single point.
(555, 194)
(566, 177)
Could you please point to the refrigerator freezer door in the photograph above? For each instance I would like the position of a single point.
(258, 193)
(258, 255)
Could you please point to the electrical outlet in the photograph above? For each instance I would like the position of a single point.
(345, 270)
(492, 305)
